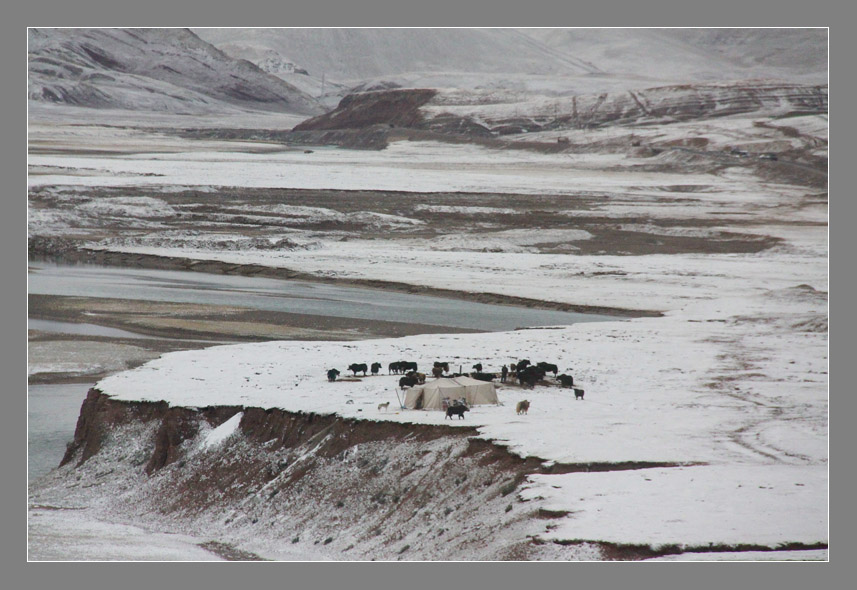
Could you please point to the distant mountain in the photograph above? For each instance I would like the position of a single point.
(356, 55)
(169, 70)
(577, 60)
(796, 51)
(695, 55)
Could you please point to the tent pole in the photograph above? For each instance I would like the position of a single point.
(401, 405)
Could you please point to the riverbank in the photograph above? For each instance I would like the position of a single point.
(171, 327)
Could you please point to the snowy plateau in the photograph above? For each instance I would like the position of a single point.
(672, 182)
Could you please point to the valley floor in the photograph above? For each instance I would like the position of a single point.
(721, 393)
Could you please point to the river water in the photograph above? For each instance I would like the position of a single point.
(302, 297)
(52, 412)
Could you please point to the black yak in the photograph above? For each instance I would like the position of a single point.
(358, 367)
(407, 382)
(566, 380)
(483, 376)
(530, 375)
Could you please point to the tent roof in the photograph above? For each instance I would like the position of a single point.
(452, 383)
(430, 395)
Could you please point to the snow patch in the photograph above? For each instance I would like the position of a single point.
(218, 435)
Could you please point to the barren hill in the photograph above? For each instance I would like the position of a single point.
(170, 70)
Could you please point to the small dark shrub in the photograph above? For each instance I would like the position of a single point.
(508, 488)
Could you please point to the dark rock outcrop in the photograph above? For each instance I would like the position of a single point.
(398, 108)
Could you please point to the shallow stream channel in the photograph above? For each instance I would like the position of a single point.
(292, 296)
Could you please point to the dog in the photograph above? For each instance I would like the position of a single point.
(523, 407)
(383, 406)
(578, 393)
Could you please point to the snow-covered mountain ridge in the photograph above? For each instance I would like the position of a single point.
(354, 55)
(168, 70)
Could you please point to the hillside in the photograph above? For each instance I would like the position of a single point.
(550, 61)
(696, 54)
(170, 70)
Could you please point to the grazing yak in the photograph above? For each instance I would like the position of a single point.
(483, 376)
(520, 365)
(407, 382)
(456, 411)
(332, 374)
(566, 380)
(548, 368)
(375, 368)
(477, 367)
(358, 367)
(444, 366)
(437, 372)
(578, 393)
(523, 407)
(401, 367)
(420, 377)
(530, 375)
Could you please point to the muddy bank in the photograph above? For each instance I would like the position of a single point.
(340, 489)
(72, 254)
(184, 321)
(168, 327)
(347, 489)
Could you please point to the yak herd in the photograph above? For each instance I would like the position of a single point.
(522, 371)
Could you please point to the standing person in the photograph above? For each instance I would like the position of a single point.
(503, 372)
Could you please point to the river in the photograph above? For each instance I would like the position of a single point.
(301, 297)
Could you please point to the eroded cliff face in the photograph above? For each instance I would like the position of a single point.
(341, 489)
(295, 486)
(366, 119)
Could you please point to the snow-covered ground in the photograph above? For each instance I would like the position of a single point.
(64, 535)
(404, 166)
(736, 385)
(731, 382)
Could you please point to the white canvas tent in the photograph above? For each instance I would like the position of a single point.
(429, 396)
